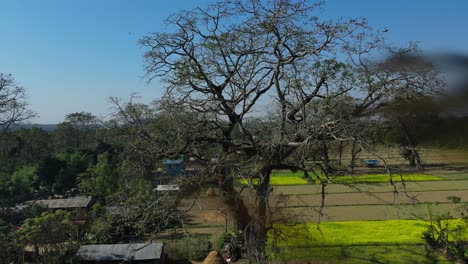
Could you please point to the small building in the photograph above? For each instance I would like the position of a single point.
(166, 189)
(371, 163)
(174, 167)
(122, 253)
(79, 205)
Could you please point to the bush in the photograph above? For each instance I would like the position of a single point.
(448, 234)
(233, 242)
(192, 248)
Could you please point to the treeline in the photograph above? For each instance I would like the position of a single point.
(81, 157)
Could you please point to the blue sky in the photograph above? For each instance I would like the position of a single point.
(72, 55)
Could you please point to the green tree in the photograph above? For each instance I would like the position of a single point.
(22, 183)
(409, 122)
(47, 171)
(100, 179)
(36, 144)
(54, 236)
(58, 174)
(75, 164)
(132, 212)
(8, 250)
(76, 132)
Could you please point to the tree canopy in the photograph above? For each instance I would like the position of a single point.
(305, 76)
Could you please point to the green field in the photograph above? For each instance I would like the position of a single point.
(359, 224)
(282, 178)
(297, 178)
(391, 241)
(375, 178)
(351, 233)
(411, 254)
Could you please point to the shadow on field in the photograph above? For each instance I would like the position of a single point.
(428, 254)
(379, 254)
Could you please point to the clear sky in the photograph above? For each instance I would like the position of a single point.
(72, 55)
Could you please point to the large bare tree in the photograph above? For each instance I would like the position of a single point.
(13, 104)
(304, 79)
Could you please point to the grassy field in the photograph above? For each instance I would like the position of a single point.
(350, 233)
(391, 241)
(376, 178)
(453, 176)
(297, 178)
(358, 225)
(382, 254)
(282, 178)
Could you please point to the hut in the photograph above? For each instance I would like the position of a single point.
(79, 205)
(147, 253)
(174, 167)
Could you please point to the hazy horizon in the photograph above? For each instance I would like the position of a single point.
(71, 56)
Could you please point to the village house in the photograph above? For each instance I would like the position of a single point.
(79, 205)
(148, 253)
(175, 168)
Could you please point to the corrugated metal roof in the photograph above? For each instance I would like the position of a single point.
(73, 202)
(173, 162)
(161, 188)
(125, 252)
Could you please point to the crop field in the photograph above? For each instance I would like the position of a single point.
(361, 212)
(282, 178)
(375, 187)
(386, 198)
(297, 178)
(393, 155)
(350, 233)
(335, 241)
(374, 178)
(365, 218)
(388, 254)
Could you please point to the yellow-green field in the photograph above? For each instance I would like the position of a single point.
(404, 254)
(350, 233)
(297, 178)
(364, 221)
(375, 178)
(391, 241)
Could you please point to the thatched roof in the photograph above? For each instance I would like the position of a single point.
(214, 258)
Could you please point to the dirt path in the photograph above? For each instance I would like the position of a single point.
(362, 212)
(375, 187)
(368, 198)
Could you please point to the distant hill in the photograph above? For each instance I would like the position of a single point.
(46, 127)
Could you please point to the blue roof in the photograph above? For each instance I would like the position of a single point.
(173, 162)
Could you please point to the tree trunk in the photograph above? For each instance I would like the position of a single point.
(306, 174)
(415, 160)
(258, 237)
(325, 158)
(354, 153)
(340, 152)
(232, 199)
(237, 208)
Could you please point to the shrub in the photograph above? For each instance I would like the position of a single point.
(192, 248)
(448, 234)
